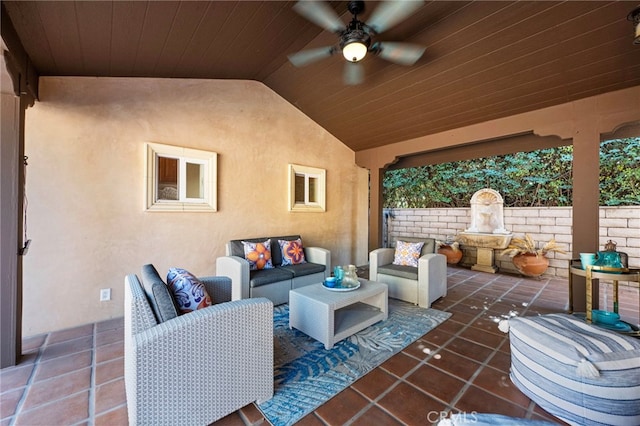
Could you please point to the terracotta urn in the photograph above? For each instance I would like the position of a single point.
(530, 265)
(453, 254)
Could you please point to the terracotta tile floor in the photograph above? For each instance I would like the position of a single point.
(75, 377)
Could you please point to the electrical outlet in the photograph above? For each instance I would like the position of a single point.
(105, 294)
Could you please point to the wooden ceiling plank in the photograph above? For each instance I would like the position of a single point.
(126, 32)
(526, 63)
(484, 60)
(629, 80)
(94, 21)
(28, 26)
(206, 34)
(444, 77)
(333, 106)
(523, 49)
(294, 35)
(541, 100)
(158, 22)
(219, 56)
(493, 43)
(270, 21)
(59, 21)
(188, 19)
(282, 37)
(588, 83)
(468, 112)
(439, 124)
(457, 45)
(480, 97)
(460, 20)
(430, 17)
(478, 84)
(283, 77)
(240, 35)
(542, 97)
(601, 67)
(478, 103)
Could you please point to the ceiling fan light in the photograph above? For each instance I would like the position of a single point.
(354, 51)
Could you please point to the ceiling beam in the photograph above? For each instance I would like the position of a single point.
(23, 74)
(481, 149)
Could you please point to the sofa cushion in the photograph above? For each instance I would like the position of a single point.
(292, 252)
(407, 253)
(408, 272)
(303, 269)
(258, 254)
(429, 246)
(188, 291)
(268, 276)
(159, 296)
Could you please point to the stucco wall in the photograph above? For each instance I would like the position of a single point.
(620, 224)
(85, 185)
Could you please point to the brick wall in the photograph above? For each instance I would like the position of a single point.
(620, 224)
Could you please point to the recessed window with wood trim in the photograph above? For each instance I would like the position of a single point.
(306, 189)
(180, 179)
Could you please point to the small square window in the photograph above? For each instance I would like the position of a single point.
(306, 189)
(180, 179)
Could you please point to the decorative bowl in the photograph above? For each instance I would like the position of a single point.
(330, 281)
(605, 317)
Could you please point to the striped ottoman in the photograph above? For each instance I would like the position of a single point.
(580, 373)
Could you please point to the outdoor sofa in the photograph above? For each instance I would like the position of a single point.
(276, 281)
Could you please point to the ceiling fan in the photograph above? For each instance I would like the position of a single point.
(357, 38)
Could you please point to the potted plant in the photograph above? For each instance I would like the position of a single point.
(451, 249)
(529, 260)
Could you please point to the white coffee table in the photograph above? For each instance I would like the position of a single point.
(330, 316)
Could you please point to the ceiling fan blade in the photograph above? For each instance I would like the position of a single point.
(353, 73)
(400, 53)
(321, 14)
(391, 12)
(306, 57)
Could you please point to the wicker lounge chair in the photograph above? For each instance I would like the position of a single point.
(197, 367)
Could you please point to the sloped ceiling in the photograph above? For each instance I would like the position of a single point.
(484, 60)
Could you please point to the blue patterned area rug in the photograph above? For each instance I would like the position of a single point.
(307, 375)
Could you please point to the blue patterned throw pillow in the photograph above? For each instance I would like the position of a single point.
(188, 291)
(407, 254)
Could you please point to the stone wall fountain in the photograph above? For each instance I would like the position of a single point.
(487, 232)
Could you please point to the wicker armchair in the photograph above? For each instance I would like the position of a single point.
(198, 367)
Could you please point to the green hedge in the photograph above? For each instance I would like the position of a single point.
(538, 178)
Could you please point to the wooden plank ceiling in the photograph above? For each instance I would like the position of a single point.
(484, 60)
